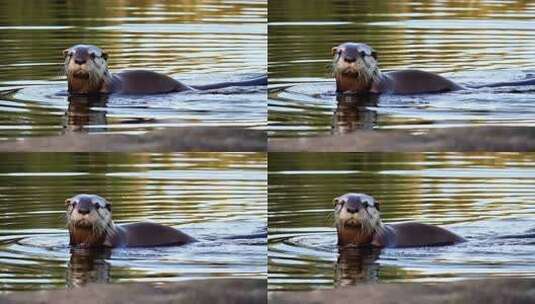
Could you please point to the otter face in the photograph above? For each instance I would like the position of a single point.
(354, 66)
(85, 66)
(88, 219)
(357, 218)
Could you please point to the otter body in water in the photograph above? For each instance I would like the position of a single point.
(356, 70)
(358, 223)
(90, 224)
(87, 73)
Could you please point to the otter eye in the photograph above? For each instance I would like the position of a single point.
(365, 204)
(93, 55)
(362, 53)
(97, 206)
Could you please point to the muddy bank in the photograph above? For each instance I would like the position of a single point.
(216, 291)
(498, 291)
(453, 139)
(206, 139)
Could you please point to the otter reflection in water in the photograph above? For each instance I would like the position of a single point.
(81, 113)
(356, 264)
(353, 112)
(88, 266)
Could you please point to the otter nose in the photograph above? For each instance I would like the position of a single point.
(83, 210)
(350, 59)
(352, 209)
(84, 206)
(79, 61)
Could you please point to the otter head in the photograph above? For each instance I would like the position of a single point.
(86, 69)
(357, 219)
(88, 220)
(355, 67)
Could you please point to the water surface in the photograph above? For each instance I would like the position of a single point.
(196, 42)
(471, 43)
(218, 198)
(486, 198)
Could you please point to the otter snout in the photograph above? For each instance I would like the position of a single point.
(79, 61)
(353, 207)
(349, 59)
(81, 55)
(350, 54)
(353, 202)
(84, 207)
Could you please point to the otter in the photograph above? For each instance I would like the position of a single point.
(356, 70)
(87, 72)
(358, 223)
(90, 225)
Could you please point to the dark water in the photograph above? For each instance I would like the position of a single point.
(489, 199)
(220, 199)
(471, 43)
(197, 42)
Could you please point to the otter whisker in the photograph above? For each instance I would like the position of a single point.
(330, 216)
(103, 224)
(108, 228)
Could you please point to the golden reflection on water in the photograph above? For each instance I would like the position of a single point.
(439, 188)
(173, 37)
(440, 36)
(173, 188)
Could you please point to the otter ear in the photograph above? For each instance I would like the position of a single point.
(65, 52)
(336, 201)
(108, 205)
(105, 55)
(374, 55)
(334, 50)
(67, 202)
(377, 206)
